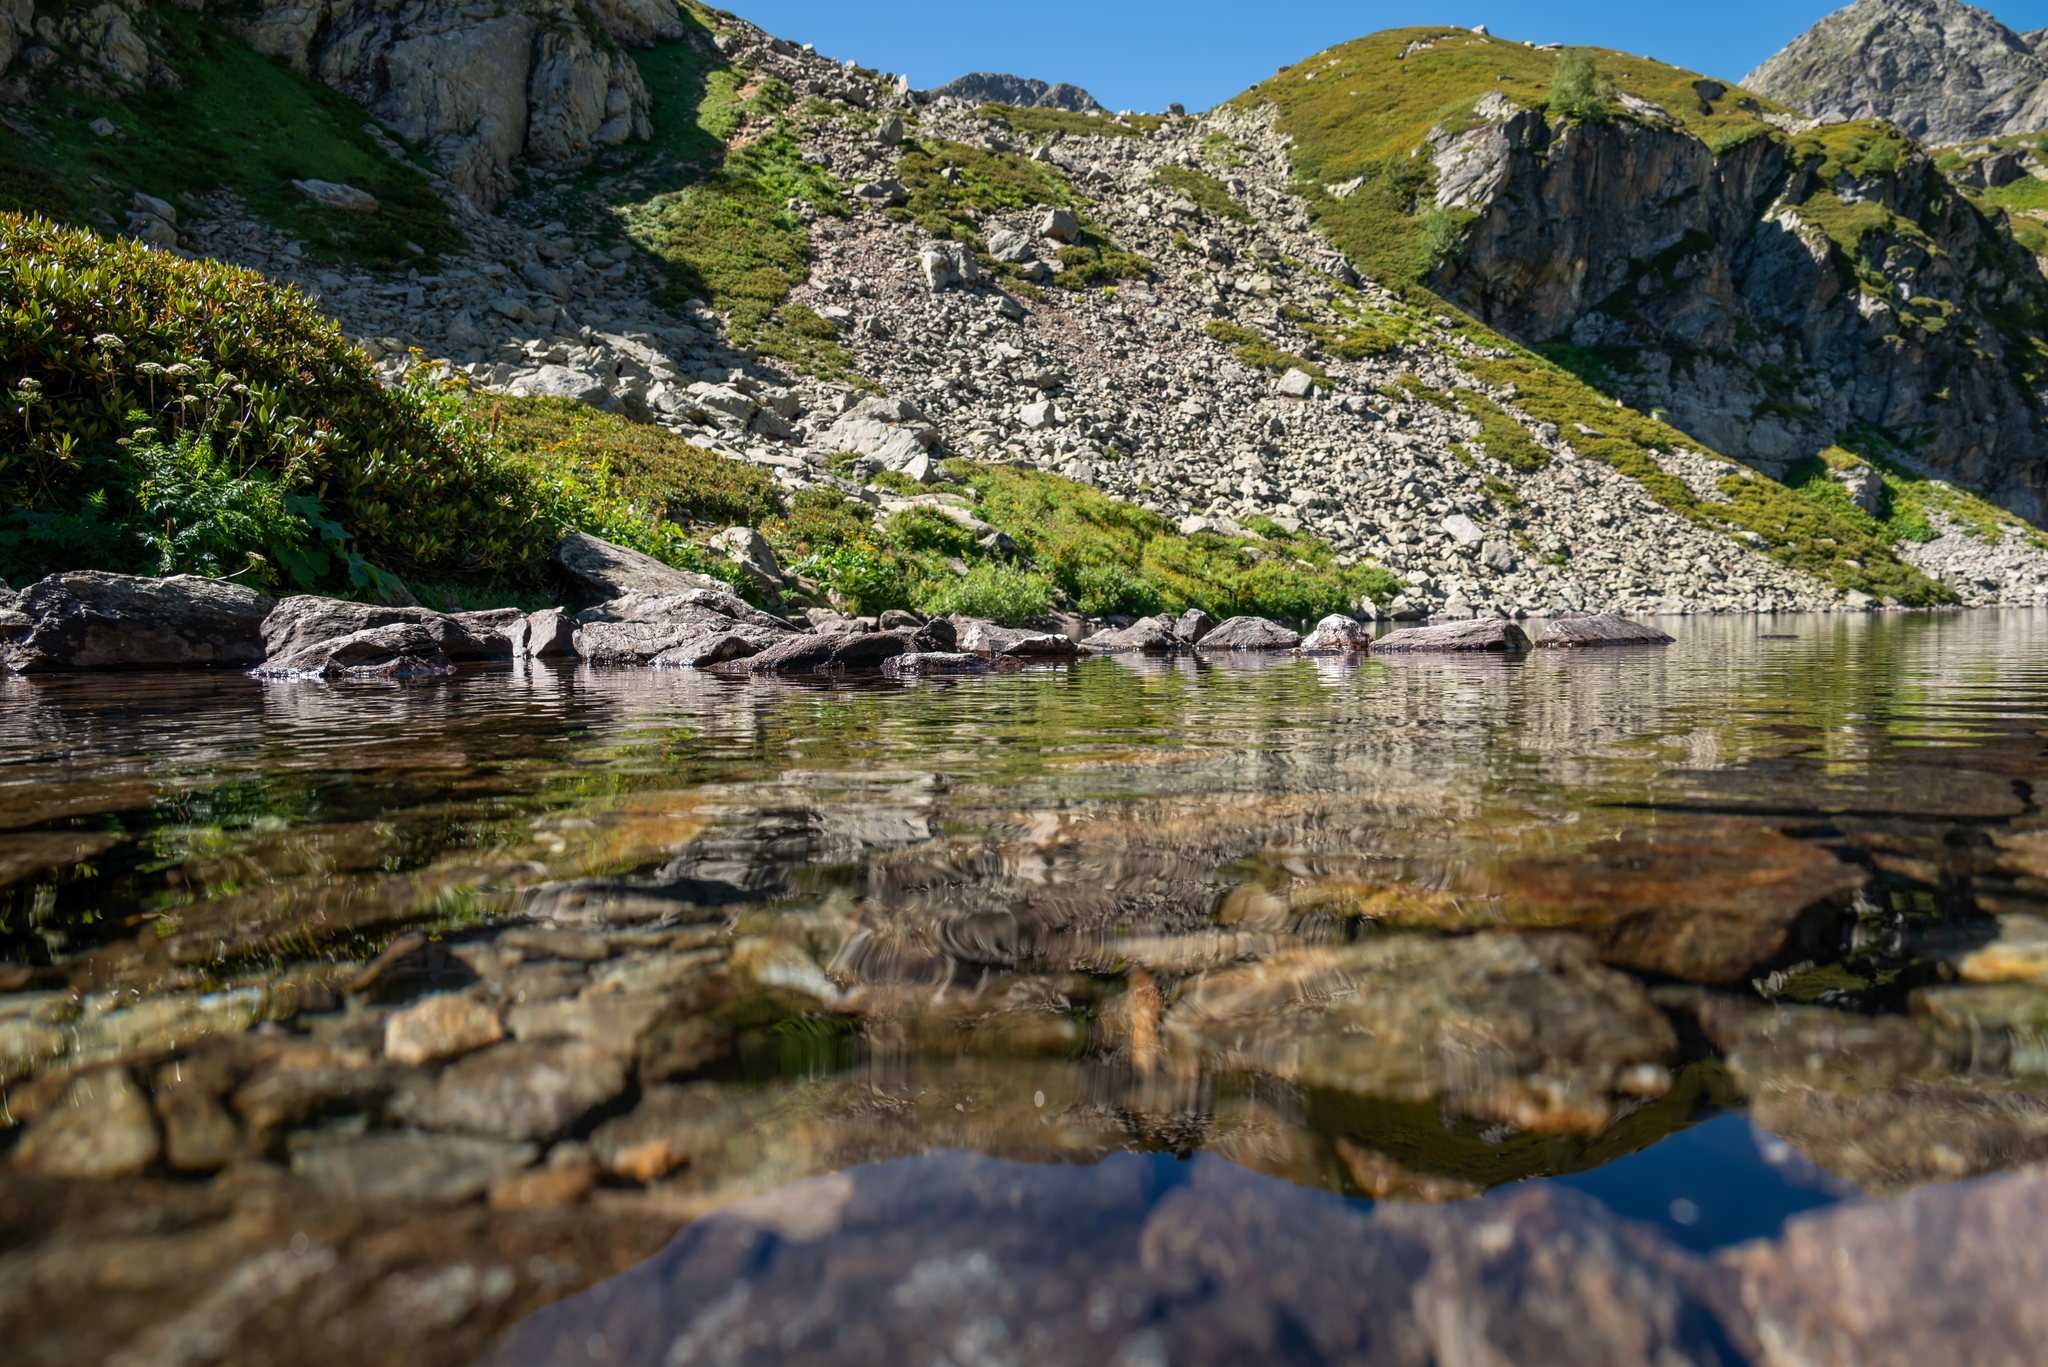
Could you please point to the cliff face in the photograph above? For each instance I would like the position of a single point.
(1942, 71)
(1769, 298)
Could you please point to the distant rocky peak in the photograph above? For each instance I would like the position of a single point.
(988, 87)
(1944, 72)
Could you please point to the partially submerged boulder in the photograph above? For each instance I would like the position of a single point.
(929, 662)
(821, 652)
(86, 620)
(593, 571)
(986, 638)
(1598, 629)
(549, 634)
(637, 629)
(399, 650)
(1480, 634)
(1250, 633)
(1148, 636)
(1337, 634)
(305, 620)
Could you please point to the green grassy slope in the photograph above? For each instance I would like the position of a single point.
(238, 120)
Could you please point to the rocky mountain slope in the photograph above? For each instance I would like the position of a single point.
(1943, 72)
(797, 262)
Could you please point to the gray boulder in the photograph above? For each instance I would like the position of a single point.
(305, 620)
(492, 627)
(1005, 244)
(560, 382)
(986, 638)
(1191, 626)
(86, 620)
(818, 652)
(1250, 633)
(1598, 629)
(1483, 633)
(638, 630)
(591, 571)
(398, 650)
(549, 634)
(930, 662)
(1060, 225)
(1147, 635)
(1337, 634)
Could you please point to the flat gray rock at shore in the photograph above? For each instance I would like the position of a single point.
(1249, 633)
(1598, 629)
(86, 620)
(1484, 633)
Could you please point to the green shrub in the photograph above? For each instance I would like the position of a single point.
(1000, 593)
(818, 520)
(1112, 590)
(1578, 90)
(926, 529)
(650, 465)
(104, 338)
(861, 571)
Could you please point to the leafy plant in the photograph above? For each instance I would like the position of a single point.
(1000, 593)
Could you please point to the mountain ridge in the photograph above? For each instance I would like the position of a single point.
(1942, 71)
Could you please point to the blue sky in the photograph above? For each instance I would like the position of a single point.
(1144, 54)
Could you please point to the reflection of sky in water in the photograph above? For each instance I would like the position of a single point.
(1718, 1183)
(1132, 1260)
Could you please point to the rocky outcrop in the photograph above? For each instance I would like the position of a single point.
(88, 620)
(481, 89)
(987, 87)
(1942, 71)
(1643, 243)
(591, 570)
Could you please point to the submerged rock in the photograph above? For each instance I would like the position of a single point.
(411, 1166)
(441, 1026)
(1871, 1098)
(85, 620)
(1527, 1029)
(517, 1090)
(1598, 629)
(1249, 633)
(103, 1127)
(1482, 633)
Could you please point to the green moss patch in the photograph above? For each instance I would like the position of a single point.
(1037, 122)
(1207, 193)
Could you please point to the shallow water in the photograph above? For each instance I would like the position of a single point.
(1635, 935)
